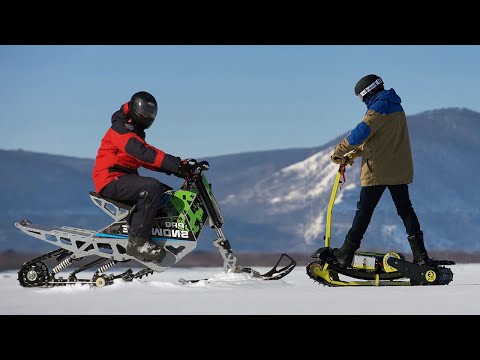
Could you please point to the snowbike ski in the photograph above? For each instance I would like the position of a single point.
(180, 220)
(371, 268)
(273, 274)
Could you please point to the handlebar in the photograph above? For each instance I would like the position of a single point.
(196, 170)
(201, 166)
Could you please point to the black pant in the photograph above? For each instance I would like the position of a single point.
(369, 198)
(143, 192)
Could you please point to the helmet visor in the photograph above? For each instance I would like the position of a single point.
(146, 109)
(144, 113)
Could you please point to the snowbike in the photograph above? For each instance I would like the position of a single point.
(371, 268)
(179, 222)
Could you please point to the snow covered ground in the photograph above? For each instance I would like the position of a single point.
(238, 294)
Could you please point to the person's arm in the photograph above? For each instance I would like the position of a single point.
(358, 136)
(149, 156)
(170, 165)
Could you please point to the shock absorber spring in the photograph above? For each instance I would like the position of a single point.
(106, 267)
(62, 265)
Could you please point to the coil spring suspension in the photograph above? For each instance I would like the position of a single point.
(64, 264)
(106, 267)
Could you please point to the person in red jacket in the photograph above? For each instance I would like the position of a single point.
(115, 174)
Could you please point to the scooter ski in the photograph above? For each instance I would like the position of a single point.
(371, 268)
(180, 220)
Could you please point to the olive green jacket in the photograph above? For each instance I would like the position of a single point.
(382, 140)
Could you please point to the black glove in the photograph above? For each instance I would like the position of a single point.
(188, 167)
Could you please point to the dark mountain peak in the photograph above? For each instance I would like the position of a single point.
(446, 117)
(446, 130)
(448, 112)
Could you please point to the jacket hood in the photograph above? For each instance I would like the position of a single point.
(385, 102)
(120, 118)
(385, 95)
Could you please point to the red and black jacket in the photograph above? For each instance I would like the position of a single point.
(123, 150)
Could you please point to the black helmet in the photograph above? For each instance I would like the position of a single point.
(143, 109)
(369, 84)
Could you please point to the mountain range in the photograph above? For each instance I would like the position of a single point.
(276, 201)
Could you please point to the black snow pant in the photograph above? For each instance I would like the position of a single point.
(143, 192)
(369, 198)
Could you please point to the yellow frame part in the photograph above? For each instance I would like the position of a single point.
(340, 172)
(332, 277)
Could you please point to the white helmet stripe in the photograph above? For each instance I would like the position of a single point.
(371, 87)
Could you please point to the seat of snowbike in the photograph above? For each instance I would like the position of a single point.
(114, 202)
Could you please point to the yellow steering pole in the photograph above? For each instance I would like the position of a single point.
(339, 179)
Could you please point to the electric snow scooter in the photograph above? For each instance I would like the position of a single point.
(371, 268)
(180, 220)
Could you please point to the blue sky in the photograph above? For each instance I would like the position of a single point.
(218, 99)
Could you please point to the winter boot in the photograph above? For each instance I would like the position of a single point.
(345, 254)
(420, 255)
(143, 249)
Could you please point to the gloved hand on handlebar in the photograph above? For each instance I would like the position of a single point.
(350, 156)
(189, 167)
(345, 159)
(336, 159)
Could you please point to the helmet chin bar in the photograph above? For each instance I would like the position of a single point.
(142, 122)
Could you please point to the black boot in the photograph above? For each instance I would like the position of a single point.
(143, 249)
(345, 254)
(420, 255)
